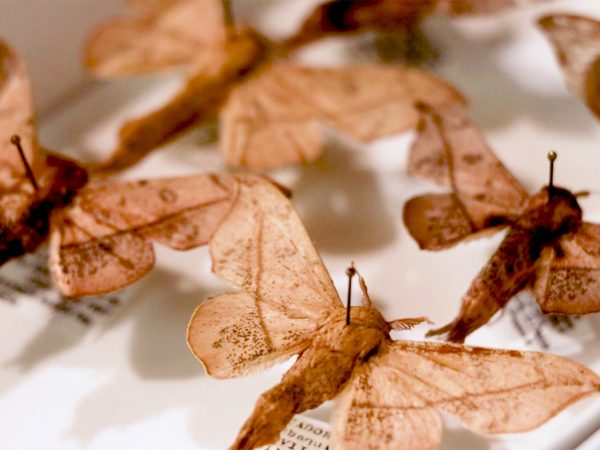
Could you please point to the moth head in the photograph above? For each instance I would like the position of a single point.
(556, 213)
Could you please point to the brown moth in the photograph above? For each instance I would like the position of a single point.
(548, 248)
(269, 108)
(576, 40)
(343, 16)
(100, 234)
(390, 392)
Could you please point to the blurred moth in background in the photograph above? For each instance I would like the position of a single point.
(100, 234)
(576, 40)
(548, 248)
(397, 23)
(390, 392)
(269, 108)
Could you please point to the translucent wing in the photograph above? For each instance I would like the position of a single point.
(160, 36)
(103, 240)
(272, 119)
(568, 274)
(576, 41)
(263, 248)
(452, 152)
(393, 398)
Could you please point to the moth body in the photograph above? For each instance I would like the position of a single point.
(512, 267)
(389, 393)
(550, 218)
(320, 374)
(59, 183)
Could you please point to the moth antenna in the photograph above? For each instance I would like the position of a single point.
(350, 271)
(364, 289)
(551, 157)
(16, 141)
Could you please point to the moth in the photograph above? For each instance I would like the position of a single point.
(269, 108)
(100, 234)
(548, 247)
(389, 392)
(576, 40)
(384, 16)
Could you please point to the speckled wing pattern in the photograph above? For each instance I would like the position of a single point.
(394, 399)
(452, 152)
(103, 240)
(567, 278)
(576, 41)
(158, 36)
(286, 292)
(273, 118)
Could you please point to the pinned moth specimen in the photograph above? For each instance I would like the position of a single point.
(269, 109)
(576, 40)
(402, 18)
(390, 392)
(548, 248)
(100, 234)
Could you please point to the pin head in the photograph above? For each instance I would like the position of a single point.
(351, 271)
(15, 139)
(552, 156)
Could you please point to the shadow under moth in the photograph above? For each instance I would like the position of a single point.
(390, 393)
(548, 248)
(100, 234)
(269, 108)
(576, 41)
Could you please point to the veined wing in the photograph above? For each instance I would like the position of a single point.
(452, 152)
(262, 248)
(103, 240)
(395, 396)
(272, 119)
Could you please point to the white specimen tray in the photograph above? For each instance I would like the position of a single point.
(127, 379)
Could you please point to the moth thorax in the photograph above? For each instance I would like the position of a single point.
(365, 316)
(559, 215)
